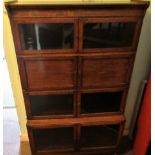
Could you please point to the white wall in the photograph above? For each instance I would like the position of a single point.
(141, 68)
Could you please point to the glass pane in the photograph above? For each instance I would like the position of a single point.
(99, 135)
(51, 105)
(53, 139)
(47, 36)
(108, 35)
(100, 102)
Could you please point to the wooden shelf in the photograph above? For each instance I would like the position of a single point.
(72, 121)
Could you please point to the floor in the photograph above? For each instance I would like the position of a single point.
(11, 137)
(11, 134)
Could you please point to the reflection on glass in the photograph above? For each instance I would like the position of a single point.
(51, 105)
(99, 135)
(100, 102)
(47, 36)
(108, 35)
(54, 138)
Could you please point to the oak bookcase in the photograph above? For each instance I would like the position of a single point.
(75, 62)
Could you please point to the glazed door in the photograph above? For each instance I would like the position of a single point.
(45, 35)
(50, 140)
(108, 34)
(50, 104)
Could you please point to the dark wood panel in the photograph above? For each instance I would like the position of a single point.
(77, 13)
(49, 73)
(98, 72)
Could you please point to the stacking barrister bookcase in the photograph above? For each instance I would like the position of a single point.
(75, 62)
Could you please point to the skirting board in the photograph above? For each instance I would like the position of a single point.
(24, 138)
(126, 132)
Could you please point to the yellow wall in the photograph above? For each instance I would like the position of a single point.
(142, 66)
(13, 72)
